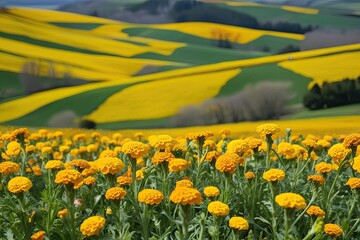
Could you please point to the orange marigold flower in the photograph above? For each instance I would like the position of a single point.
(109, 165)
(211, 191)
(178, 164)
(68, 176)
(323, 167)
(124, 180)
(30, 148)
(309, 143)
(38, 236)
(323, 143)
(19, 134)
(19, 184)
(287, 150)
(199, 135)
(184, 183)
(34, 169)
(79, 137)
(253, 143)
(115, 193)
(238, 146)
(62, 213)
(150, 196)
(356, 164)
(135, 149)
(317, 179)
(239, 223)
(139, 135)
(352, 140)
(315, 211)
(338, 152)
(226, 163)
(301, 153)
(108, 153)
(13, 149)
(92, 225)
(161, 142)
(290, 200)
(249, 175)
(225, 133)
(218, 208)
(140, 173)
(80, 163)
(46, 150)
(8, 167)
(89, 180)
(267, 129)
(58, 155)
(332, 230)
(160, 157)
(212, 155)
(353, 182)
(185, 195)
(273, 175)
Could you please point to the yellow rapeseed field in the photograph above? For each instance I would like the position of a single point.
(326, 68)
(161, 98)
(300, 9)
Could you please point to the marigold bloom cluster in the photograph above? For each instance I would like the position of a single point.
(92, 225)
(184, 195)
(290, 200)
(273, 175)
(178, 164)
(218, 208)
(211, 191)
(68, 176)
(115, 193)
(7, 168)
(239, 223)
(135, 149)
(287, 150)
(226, 163)
(109, 165)
(267, 129)
(332, 230)
(353, 182)
(338, 152)
(19, 184)
(315, 211)
(150, 196)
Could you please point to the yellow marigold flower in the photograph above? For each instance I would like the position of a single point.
(294, 138)
(225, 133)
(290, 200)
(209, 144)
(238, 146)
(309, 143)
(180, 145)
(226, 163)
(58, 134)
(353, 182)
(108, 153)
(332, 230)
(40, 145)
(150, 196)
(323, 167)
(115, 193)
(239, 223)
(64, 149)
(116, 136)
(323, 143)
(249, 175)
(62, 213)
(90, 171)
(338, 152)
(5, 157)
(178, 164)
(124, 180)
(140, 173)
(30, 148)
(34, 136)
(82, 149)
(301, 153)
(161, 141)
(31, 161)
(58, 155)
(80, 163)
(315, 211)
(287, 150)
(68, 176)
(109, 165)
(91, 148)
(78, 137)
(19, 184)
(185, 195)
(218, 208)
(313, 137)
(7, 168)
(135, 149)
(19, 134)
(211, 191)
(139, 135)
(317, 179)
(328, 138)
(46, 150)
(352, 140)
(212, 155)
(267, 129)
(34, 169)
(356, 164)
(13, 149)
(273, 175)
(109, 211)
(160, 157)
(38, 236)
(89, 180)
(92, 226)
(5, 137)
(313, 156)
(253, 143)
(184, 183)
(199, 135)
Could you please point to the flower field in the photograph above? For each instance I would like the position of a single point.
(271, 184)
